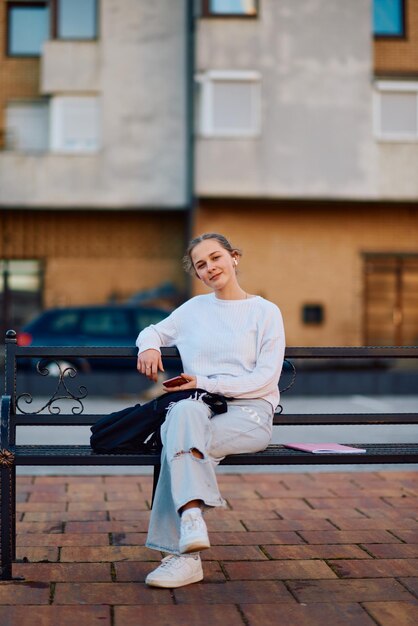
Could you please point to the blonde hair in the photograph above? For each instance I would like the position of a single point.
(223, 241)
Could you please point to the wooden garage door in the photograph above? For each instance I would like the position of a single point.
(391, 299)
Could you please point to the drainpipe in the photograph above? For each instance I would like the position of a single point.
(191, 201)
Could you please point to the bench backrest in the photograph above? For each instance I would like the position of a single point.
(171, 356)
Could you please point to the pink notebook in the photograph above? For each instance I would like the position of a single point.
(325, 448)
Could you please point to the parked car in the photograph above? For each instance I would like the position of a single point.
(107, 325)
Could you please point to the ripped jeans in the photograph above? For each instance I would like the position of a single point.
(191, 425)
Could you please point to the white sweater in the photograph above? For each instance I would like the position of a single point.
(233, 347)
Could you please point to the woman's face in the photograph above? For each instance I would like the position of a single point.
(213, 264)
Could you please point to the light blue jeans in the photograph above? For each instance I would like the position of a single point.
(190, 424)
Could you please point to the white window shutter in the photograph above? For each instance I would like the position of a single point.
(27, 126)
(75, 124)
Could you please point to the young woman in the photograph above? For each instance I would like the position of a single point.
(231, 343)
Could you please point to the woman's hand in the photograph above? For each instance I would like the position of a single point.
(191, 384)
(149, 363)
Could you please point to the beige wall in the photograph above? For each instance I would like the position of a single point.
(302, 253)
(88, 257)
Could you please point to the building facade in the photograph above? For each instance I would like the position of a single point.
(127, 125)
(314, 120)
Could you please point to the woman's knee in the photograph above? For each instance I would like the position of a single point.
(188, 409)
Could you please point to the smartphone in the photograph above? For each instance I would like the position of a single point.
(175, 382)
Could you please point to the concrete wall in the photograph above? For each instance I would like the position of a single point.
(315, 58)
(141, 82)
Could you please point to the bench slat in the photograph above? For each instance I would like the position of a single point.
(293, 419)
(274, 454)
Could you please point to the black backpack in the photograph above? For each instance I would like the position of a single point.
(137, 428)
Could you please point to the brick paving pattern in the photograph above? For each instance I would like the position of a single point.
(292, 549)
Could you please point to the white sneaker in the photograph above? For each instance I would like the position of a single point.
(193, 533)
(176, 571)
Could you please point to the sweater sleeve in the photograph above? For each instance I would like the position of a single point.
(262, 378)
(156, 335)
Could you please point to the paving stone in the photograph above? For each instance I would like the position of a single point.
(122, 480)
(128, 539)
(411, 584)
(254, 538)
(128, 515)
(31, 507)
(62, 539)
(347, 536)
(24, 593)
(125, 495)
(392, 550)
(216, 525)
(63, 572)
(288, 513)
(286, 524)
(39, 527)
(311, 615)
(268, 504)
(304, 490)
(108, 553)
(410, 536)
(136, 571)
(403, 501)
(364, 502)
(110, 593)
(236, 592)
(55, 615)
(365, 523)
(393, 613)
(390, 513)
(279, 570)
(106, 527)
(233, 553)
(65, 516)
(49, 497)
(22, 496)
(190, 615)
(229, 514)
(243, 492)
(33, 555)
(319, 551)
(107, 506)
(374, 568)
(335, 591)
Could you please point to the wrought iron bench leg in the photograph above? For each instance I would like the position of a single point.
(7, 540)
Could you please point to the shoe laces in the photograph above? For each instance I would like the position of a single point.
(172, 560)
(192, 522)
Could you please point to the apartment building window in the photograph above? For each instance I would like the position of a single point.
(21, 285)
(27, 28)
(29, 24)
(76, 19)
(230, 8)
(27, 125)
(229, 103)
(396, 110)
(233, 8)
(75, 124)
(389, 18)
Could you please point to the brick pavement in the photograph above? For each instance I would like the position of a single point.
(292, 549)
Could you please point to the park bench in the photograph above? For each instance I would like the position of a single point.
(15, 412)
